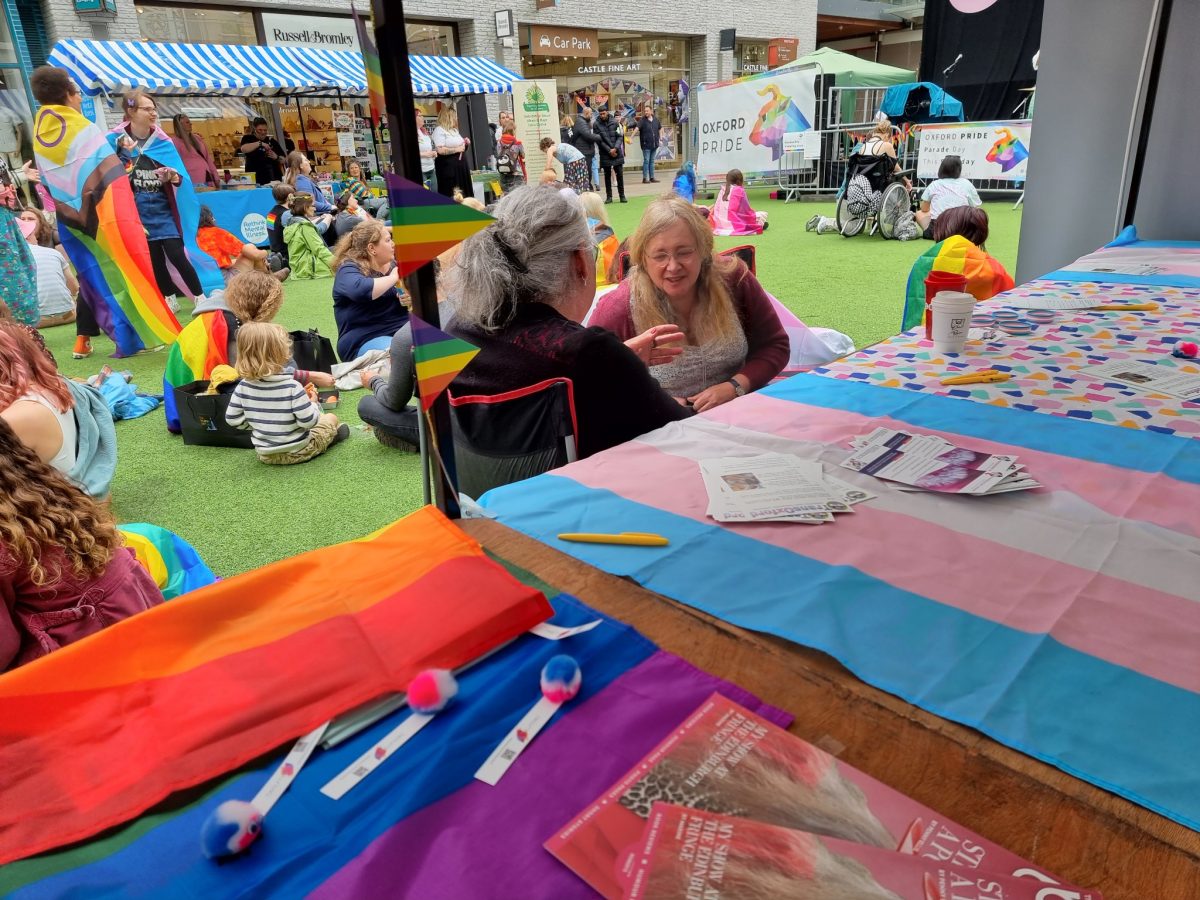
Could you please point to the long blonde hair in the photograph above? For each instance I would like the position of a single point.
(263, 348)
(714, 317)
(448, 118)
(41, 510)
(355, 245)
(295, 160)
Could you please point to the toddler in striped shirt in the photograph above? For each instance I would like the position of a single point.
(286, 424)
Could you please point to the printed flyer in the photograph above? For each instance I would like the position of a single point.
(691, 855)
(725, 759)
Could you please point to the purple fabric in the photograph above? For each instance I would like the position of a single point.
(487, 841)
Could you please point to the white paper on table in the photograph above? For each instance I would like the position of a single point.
(269, 794)
(338, 786)
(516, 740)
(767, 486)
(1110, 269)
(1149, 377)
(560, 632)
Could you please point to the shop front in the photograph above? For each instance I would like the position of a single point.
(623, 70)
(15, 115)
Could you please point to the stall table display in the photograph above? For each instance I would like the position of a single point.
(1063, 621)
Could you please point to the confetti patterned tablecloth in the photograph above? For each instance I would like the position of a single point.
(1049, 367)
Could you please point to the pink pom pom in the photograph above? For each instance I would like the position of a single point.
(1190, 349)
(431, 690)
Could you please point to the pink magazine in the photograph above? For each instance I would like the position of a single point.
(727, 760)
(686, 854)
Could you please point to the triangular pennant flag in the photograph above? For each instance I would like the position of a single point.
(371, 62)
(438, 359)
(425, 224)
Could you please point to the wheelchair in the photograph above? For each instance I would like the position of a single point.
(891, 197)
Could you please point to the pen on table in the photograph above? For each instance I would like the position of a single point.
(1113, 307)
(631, 538)
(986, 376)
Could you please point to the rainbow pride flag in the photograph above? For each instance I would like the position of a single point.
(426, 224)
(986, 277)
(97, 732)
(438, 358)
(201, 347)
(101, 230)
(370, 55)
(171, 561)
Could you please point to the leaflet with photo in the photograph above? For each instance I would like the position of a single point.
(1143, 376)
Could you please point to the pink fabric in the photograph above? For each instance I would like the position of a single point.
(1097, 613)
(768, 346)
(36, 620)
(200, 166)
(734, 216)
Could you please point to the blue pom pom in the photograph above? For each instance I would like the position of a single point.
(231, 828)
(561, 679)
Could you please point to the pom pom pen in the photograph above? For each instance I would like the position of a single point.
(428, 694)
(236, 824)
(561, 680)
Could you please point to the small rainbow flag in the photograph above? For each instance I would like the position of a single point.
(438, 358)
(201, 347)
(171, 561)
(425, 224)
(370, 57)
(986, 277)
(271, 219)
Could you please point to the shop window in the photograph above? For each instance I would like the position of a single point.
(750, 58)
(193, 25)
(430, 39)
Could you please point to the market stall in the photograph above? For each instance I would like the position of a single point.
(315, 99)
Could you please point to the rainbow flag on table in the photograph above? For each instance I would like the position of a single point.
(426, 224)
(423, 806)
(99, 731)
(370, 55)
(201, 347)
(101, 230)
(986, 277)
(438, 358)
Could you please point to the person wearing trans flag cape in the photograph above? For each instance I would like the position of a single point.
(98, 219)
(166, 202)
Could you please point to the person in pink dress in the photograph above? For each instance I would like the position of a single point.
(731, 212)
(196, 156)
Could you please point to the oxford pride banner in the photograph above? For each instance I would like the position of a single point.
(742, 123)
(995, 150)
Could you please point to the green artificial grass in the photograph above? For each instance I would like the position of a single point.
(240, 514)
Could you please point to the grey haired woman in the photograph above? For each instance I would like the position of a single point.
(524, 285)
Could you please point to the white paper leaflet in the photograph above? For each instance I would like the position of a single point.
(926, 462)
(1149, 377)
(558, 632)
(270, 792)
(775, 487)
(517, 740)
(338, 786)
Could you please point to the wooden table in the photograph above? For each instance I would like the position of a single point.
(1066, 825)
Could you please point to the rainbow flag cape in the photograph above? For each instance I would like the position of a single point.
(370, 55)
(438, 358)
(201, 347)
(101, 230)
(99, 731)
(425, 224)
(985, 276)
(633, 695)
(184, 203)
(171, 561)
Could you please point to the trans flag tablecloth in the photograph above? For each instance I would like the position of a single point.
(1064, 621)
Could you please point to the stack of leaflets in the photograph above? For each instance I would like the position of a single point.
(775, 487)
(925, 462)
(731, 806)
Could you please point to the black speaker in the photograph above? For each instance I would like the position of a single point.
(728, 38)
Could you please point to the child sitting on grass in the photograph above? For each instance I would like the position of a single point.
(285, 422)
(307, 254)
(232, 255)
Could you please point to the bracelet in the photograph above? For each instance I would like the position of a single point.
(738, 390)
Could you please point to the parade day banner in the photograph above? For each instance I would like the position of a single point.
(995, 150)
(742, 123)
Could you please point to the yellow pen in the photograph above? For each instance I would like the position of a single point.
(631, 538)
(987, 376)
(1114, 307)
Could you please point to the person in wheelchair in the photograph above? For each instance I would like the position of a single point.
(871, 170)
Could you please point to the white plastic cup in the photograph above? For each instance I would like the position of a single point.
(951, 320)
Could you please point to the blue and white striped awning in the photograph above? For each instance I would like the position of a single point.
(114, 67)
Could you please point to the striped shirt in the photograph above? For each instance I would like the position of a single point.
(276, 410)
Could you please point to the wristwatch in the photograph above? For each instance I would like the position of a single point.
(738, 390)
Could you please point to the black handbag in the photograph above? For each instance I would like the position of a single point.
(312, 351)
(202, 418)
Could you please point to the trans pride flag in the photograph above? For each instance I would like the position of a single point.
(99, 731)
(101, 230)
